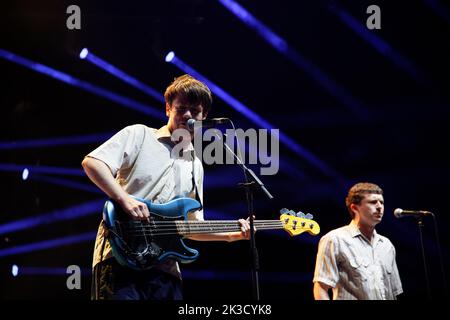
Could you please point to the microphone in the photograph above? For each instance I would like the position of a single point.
(208, 123)
(399, 213)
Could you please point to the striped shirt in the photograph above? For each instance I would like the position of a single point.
(356, 268)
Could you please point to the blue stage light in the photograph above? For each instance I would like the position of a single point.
(25, 174)
(47, 244)
(83, 53)
(170, 56)
(14, 270)
(10, 167)
(64, 77)
(51, 271)
(257, 119)
(69, 213)
(56, 141)
(382, 46)
(301, 61)
(67, 183)
(106, 66)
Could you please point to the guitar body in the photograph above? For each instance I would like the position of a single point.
(142, 244)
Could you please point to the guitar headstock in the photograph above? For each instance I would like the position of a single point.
(297, 223)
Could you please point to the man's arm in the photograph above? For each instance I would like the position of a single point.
(101, 175)
(321, 291)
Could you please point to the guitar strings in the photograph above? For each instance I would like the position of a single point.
(198, 227)
(152, 224)
(178, 225)
(204, 223)
(210, 222)
(183, 227)
(177, 231)
(192, 227)
(173, 229)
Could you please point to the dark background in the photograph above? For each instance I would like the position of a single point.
(400, 143)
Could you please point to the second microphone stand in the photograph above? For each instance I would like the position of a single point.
(427, 279)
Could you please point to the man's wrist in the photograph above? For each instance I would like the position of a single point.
(234, 236)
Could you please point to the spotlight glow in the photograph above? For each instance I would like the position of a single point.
(84, 53)
(25, 174)
(108, 67)
(170, 56)
(14, 270)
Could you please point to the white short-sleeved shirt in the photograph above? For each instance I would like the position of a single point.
(142, 161)
(355, 268)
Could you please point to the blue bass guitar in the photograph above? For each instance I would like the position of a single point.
(142, 244)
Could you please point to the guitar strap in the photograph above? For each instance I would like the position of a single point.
(106, 230)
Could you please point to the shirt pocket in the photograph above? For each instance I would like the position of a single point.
(386, 262)
(388, 268)
(358, 266)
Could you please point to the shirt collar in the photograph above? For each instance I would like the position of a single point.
(163, 135)
(354, 231)
(163, 132)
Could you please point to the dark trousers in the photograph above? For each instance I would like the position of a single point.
(111, 281)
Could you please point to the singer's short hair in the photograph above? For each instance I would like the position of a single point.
(187, 87)
(357, 193)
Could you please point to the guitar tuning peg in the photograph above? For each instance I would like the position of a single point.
(284, 210)
(309, 216)
(291, 212)
(300, 214)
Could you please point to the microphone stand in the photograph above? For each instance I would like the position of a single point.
(251, 181)
(441, 258)
(427, 280)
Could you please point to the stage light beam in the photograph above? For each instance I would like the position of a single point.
(64, 214)
(121, 75)
(48, 244)
(99, 91)
(257, 119)
(278, 43)
(11, 167)
(55, 141)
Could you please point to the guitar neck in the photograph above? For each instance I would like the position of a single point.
(196, 227)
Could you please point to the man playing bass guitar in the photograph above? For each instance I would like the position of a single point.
(138, 161)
